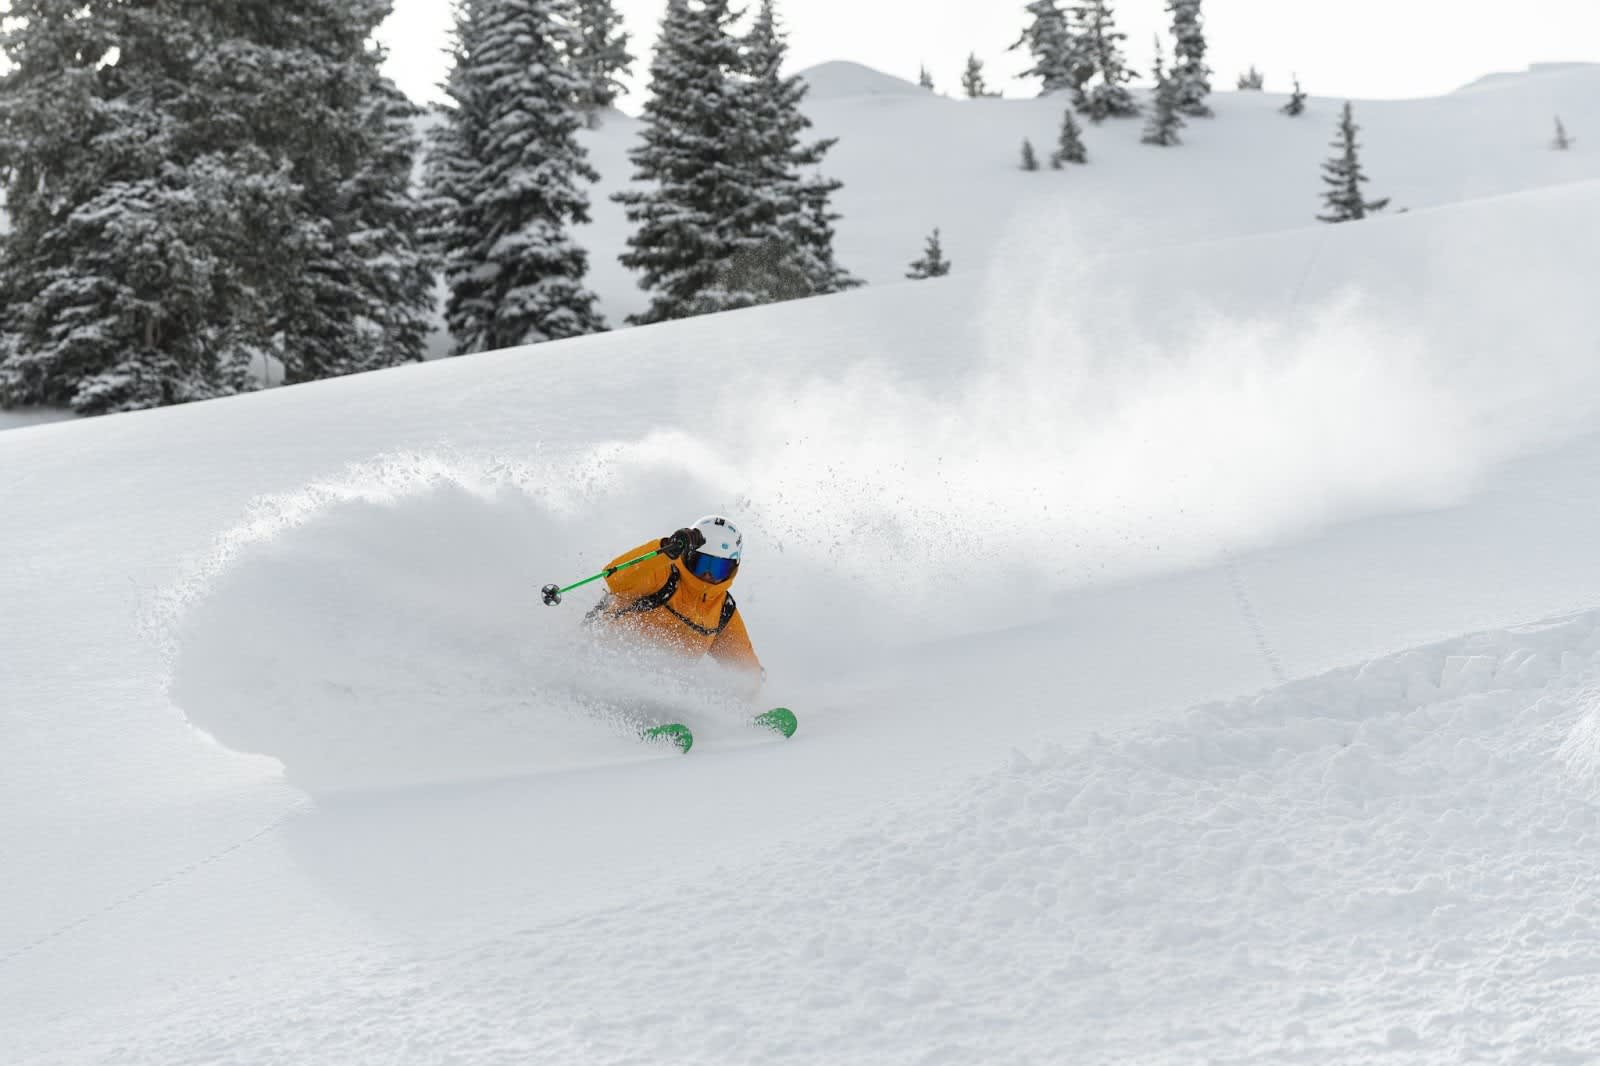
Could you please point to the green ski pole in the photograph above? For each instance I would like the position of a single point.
(552, 594)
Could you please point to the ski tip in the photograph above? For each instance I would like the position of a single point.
(677, 735)
(779, 720)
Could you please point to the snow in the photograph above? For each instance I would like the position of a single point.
(1513, 79)
(843, 80)
(1197, 649)
(914, 161)
(32, 416)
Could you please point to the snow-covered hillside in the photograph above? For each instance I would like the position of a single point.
(1195, 640)
(912, 160)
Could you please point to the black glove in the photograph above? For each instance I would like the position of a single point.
(682, 542)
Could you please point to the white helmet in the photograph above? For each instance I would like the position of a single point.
(723, 539)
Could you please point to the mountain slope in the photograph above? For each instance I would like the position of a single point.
(297, 768)
(914, 161)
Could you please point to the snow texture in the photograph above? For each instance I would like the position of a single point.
(1126, 632)
(842, 80)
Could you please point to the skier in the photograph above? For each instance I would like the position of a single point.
(680, 599)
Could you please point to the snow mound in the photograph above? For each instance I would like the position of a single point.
(841, 80)
(1504, 79)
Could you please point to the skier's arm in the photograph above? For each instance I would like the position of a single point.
(732, 648)
(643, 579)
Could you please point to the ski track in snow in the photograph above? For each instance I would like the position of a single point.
(1395, 860)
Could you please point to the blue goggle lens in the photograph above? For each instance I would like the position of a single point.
(710, 568)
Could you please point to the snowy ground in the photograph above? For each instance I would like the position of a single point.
(911, 161)
(32, 416)
(294, 767)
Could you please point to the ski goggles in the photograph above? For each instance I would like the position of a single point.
(711, 568)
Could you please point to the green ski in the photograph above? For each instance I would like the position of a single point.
(673, 733)
(779, 720)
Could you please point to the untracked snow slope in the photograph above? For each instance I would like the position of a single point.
(295, 767)
(913, 161)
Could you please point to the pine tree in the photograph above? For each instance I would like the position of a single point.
(972, 82)
(1049, 40)
(925, 79)
(791, 222)
(933, 264)
(504, 178)
(1070, 149)
(1164, 123)
(76, 304)
(364, 297)
(1030, 158)
(1344, 177)
(304, 79)
(194, 190)
(681, 239)
(1562, 142)
(1101, 44)
(1297, 102)
(1189, 68)
(1252, 80)
(735, 215)
(599, 56)
(387, 253)
(815, 227)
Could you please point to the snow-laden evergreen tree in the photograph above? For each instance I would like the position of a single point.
(925, 79)
(735, 213)
(681, 239)
(1344, 177)
(505, 177)
(1070, 148)
(127, 302)
(1252, 80)
(789, 219)
(303, 83)
(972, 82)
(1057, 61)
(817, 233)
(1189, 68)
(1101, 42)
(449, 173)
(190, 189)
(933, 264)
(77, 303)
(364, 296)
(1562, 142)
(1297, 101)
(386, 239)
(1030, 158)
(600, 55)
(1164, 123)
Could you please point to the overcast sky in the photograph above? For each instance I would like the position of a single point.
(1353, 48)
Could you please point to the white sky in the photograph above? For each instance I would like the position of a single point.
(1354, 48)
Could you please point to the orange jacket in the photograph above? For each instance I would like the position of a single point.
(690, 618)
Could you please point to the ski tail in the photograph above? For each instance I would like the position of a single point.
(779, 720)
(674, 733)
